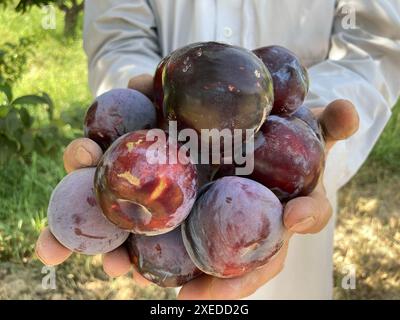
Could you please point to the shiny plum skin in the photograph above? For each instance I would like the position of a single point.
(77, 221)
(288, 157)
(162, 259)
(290, 78)
(212, 85)
(158, 85)
(308, 117)
(117, 112)
(140, 196)
(235, 226)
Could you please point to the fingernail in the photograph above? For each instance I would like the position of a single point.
(303, 225)
(141, 281)
(38, 255)
(83, 156)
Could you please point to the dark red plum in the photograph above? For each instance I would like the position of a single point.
(140, 195)
(158, 85)
(235, 226)
(290, 78)
(308, 117)
(77, 221)
(117, 112)
(288, 157)
(162, 259)
(212, 85)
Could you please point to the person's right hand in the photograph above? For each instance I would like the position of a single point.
(82, 153)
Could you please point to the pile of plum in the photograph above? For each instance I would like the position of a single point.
(181, 219)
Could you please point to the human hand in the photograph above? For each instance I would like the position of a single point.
(302, 215)
(82, 153)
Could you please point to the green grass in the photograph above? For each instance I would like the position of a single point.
(58, 67)
(386, 152)
(24, 193)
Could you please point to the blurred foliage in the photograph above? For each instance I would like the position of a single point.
(22, 130)
(70, 8)
(57, 65)
(24, 193)
(386, 152)
(13, 59)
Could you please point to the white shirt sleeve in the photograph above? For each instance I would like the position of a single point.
(120, 40)
(364, 67)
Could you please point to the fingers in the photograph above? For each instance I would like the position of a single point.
(140, 280)
(308, 214)
(81, 153)
(116, 263)
(208, 287)
(142, 83)
(49, 250)
(339, 120)
(196, 289)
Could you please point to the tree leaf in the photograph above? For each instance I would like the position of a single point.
(26, 118)
(40, 144)
(27, 142)
(30, 100)
(50, 104)
(3, 111)
(12, 124)
(36, 100)
(6, 89)
(7, 149)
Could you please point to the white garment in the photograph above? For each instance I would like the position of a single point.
(124, 38)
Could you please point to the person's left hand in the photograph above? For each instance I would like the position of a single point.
(310, 214)
(82, 153)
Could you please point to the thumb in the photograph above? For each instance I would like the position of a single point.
(339, 121)
(81, 153)
(142, 83)
(49, 250)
